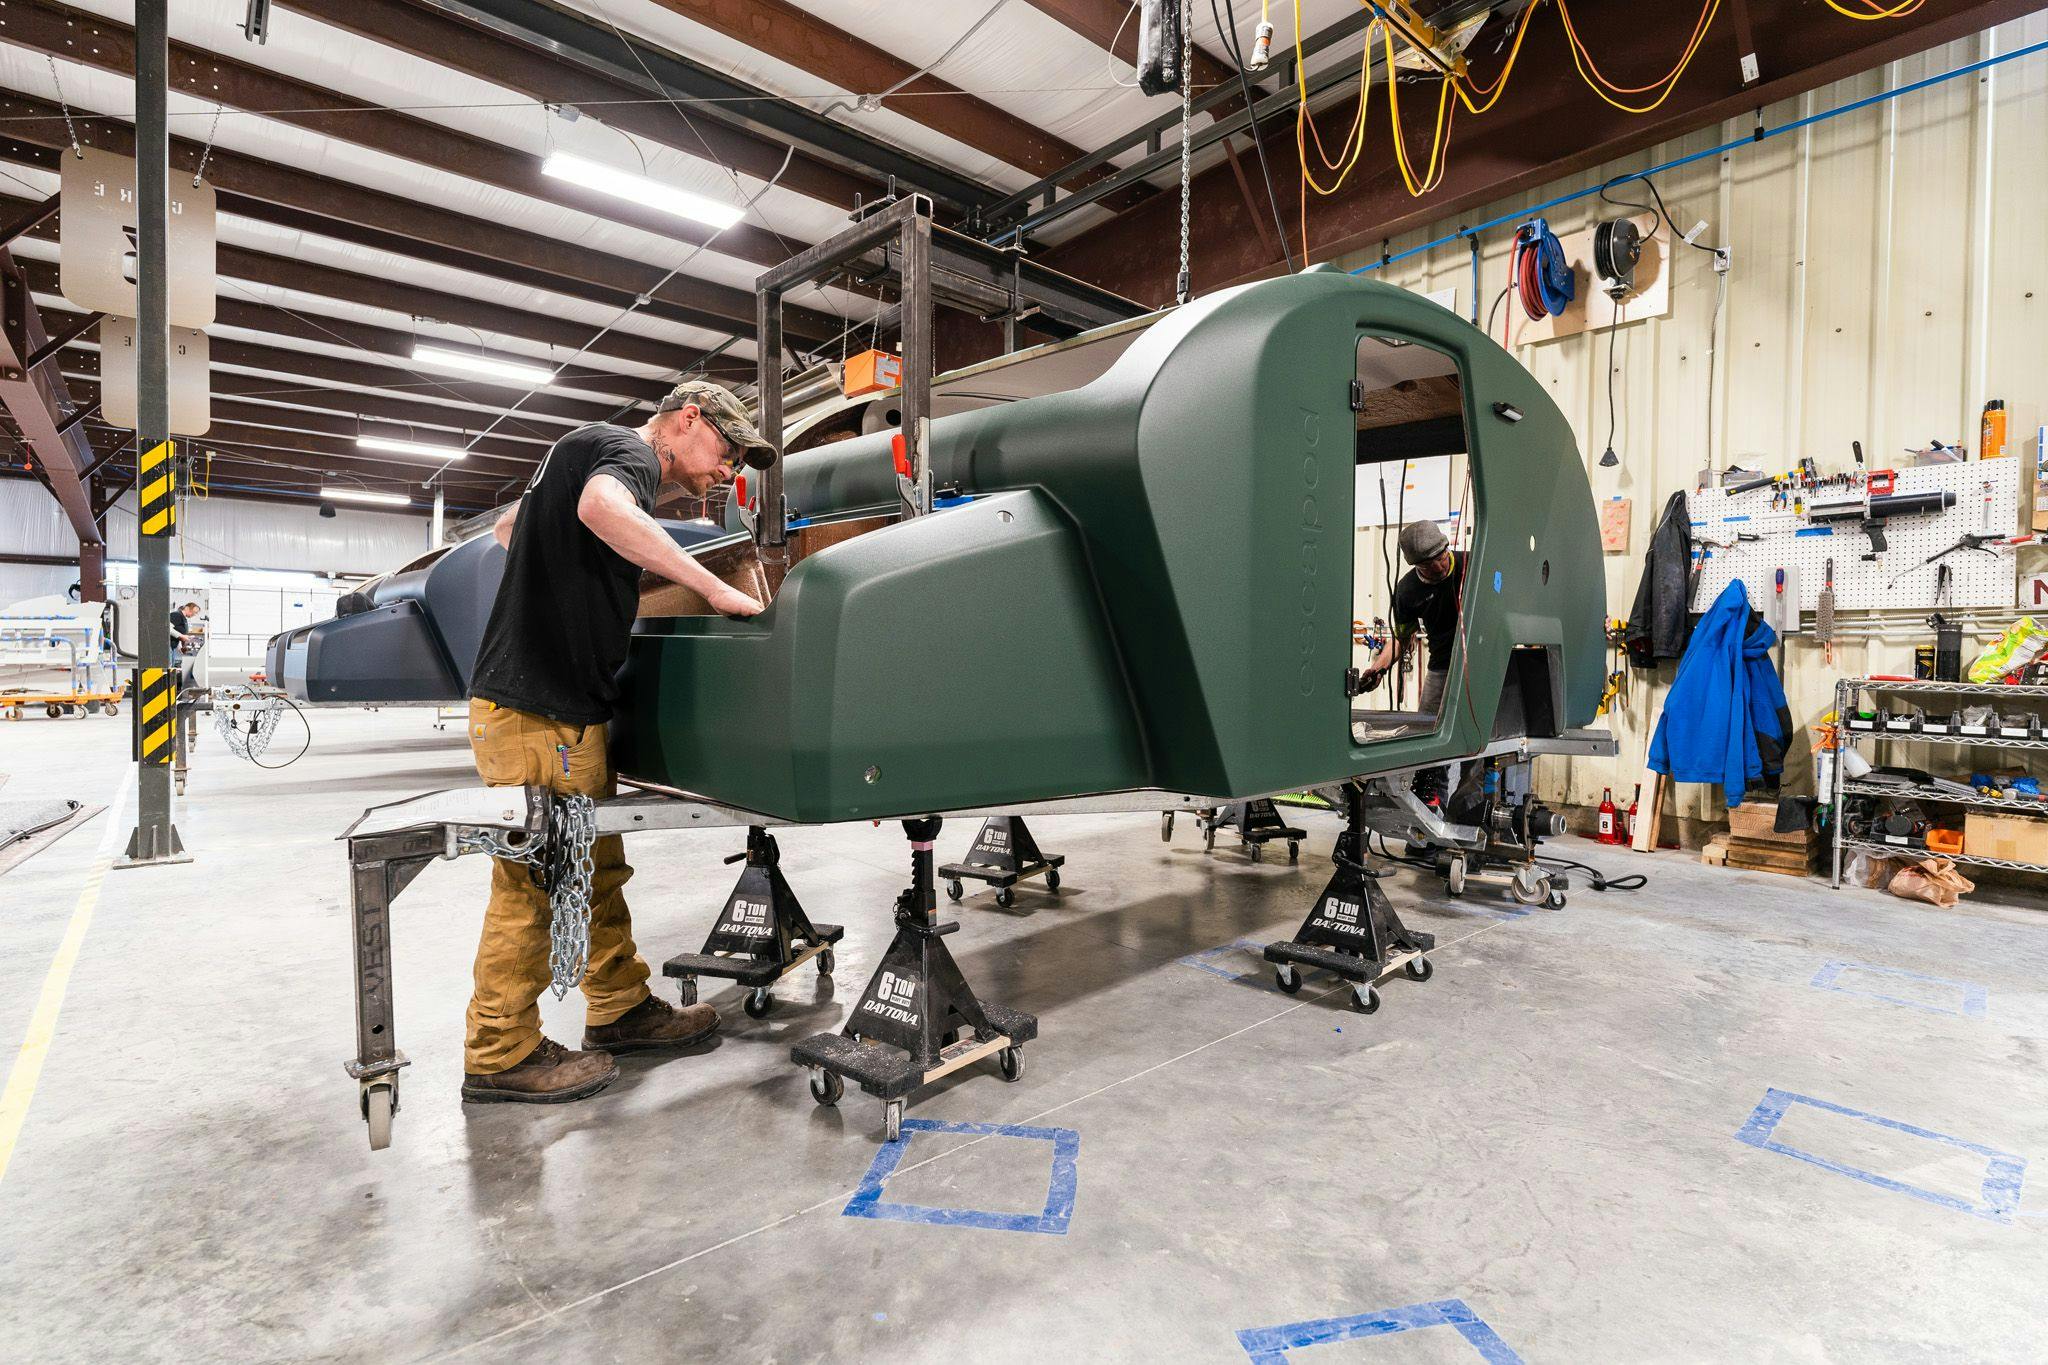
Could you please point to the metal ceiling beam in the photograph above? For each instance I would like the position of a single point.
(1101, 22)
(231, 417)
(1542, 131)
(476, 244)
(246, 437)
(495, 398)
(36, 397)
(76, 35)
(1015, 211)
(788, 33)
(377, 341)
(308, 456)
(590, 65)
(291, 400)
(379, 291)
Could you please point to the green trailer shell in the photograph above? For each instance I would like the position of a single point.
(1152, 588)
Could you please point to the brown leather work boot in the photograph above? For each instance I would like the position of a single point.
(650, 1024)
(551, 1074)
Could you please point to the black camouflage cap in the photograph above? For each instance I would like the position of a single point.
(727, 416)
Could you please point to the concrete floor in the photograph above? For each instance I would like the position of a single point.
(1546, 1132)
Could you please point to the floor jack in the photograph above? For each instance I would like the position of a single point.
(918, 1019)
(1004, 854)
(1258, 823)
(1353, 930)
(762, 934)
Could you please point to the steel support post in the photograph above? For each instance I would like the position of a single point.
(155, 839)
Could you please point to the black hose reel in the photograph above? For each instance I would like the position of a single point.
(1617, 247)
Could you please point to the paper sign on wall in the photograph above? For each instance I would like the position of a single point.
(1614, 517)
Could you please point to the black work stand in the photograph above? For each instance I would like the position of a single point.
(762, 934)
(1258, 824)
(1004, 854)
(918, 1019)
(1353, 931)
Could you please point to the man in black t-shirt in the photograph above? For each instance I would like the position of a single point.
(545, 684)
(1428, 596)
(186, 633)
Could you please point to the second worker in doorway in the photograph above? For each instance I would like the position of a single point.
(545, 684)
(1428, 596)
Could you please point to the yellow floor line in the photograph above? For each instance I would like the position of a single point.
(28, 1064)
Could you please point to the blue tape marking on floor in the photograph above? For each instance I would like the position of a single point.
(867, 1201)
(1205, 960)
(2003, 1172)
(1270, 1345)
(1974, 996)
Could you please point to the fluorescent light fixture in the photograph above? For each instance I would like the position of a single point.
(471, 363)
(420, 448)
(594, 175)
(344, 494)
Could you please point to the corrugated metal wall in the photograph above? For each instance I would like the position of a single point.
(1890, 274)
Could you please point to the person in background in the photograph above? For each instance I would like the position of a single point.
(1427, 596)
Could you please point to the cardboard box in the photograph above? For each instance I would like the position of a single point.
(2015, 838)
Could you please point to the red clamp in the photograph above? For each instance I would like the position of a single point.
(899, 450)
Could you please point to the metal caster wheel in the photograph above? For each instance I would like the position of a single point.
(1052, 879)
(181, 786)
(892, 1120)
(1365, 999)
(1287, 979)
(1454, 877)
(1209, 839)
(1555, 900)
(1293, 851)
(380, 1102)
(53, 711)
(954, 891)
(1529, 886)
(1006, 898)
(1418, 969)
(1012, 1061)
(826, 962)
(1166, 827)
(686, 990)
(826, 1086)
(113, 710)
(1258, 853)
(759, 1002)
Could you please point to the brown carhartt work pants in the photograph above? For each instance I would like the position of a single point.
(515, 748)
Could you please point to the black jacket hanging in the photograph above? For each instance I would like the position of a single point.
(1659, 625)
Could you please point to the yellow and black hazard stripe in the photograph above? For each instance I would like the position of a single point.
(156, 692)
(156, 474)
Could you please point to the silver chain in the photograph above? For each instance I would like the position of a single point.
(69, 130)
(246, 720)
(206, 152)
(566, 872)
(1187, 121)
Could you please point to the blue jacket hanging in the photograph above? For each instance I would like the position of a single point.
(1725, 719)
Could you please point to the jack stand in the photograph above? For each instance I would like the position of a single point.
(761, 936)
(1258, 822)
(1353, 930)
(905, 1032)
(1004, 854)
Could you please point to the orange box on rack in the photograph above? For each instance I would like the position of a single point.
(871, 372)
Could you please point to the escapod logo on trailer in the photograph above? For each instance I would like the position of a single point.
(1311, 526)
